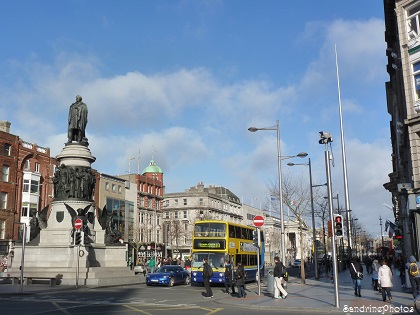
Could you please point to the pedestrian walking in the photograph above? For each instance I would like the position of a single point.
(413, 267)
(279, 271)
(152, 264)
(207, 274)
(375, 269)
(385, 280)
(356, 272)
(240, 280)
(229, 283)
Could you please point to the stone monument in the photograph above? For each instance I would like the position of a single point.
(52, 252)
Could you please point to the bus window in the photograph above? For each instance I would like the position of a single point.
(231, 231)
(238, 232)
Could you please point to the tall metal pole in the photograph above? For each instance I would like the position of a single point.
(22, 260)
(343, 154)
(382, 234)
(313, 221)
(283, 245)
(330, 201)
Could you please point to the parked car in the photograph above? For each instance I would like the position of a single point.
(296, 263)
(139, 269)
(168, 275)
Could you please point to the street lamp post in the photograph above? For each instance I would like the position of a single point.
(313, 215)
(382, 235)
(279, 158)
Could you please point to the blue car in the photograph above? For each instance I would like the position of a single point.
(168, 275)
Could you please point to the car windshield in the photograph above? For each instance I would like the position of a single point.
(166, 269)
(216, 260)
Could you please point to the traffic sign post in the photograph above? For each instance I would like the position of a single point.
(78, 223)
(258, 221)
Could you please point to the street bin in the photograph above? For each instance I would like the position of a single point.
(270, 282)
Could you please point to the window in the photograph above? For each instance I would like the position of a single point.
(36, 167)
(185, 202)
(25, 211)
(6, 149)
(2, 228)
(34, 187)
(166, 203)
(185, 214)
(27, 165)
(175, 202)
(119, 189)
(113, 187)
(413, 19)
(5, 173)
(416, 72)
(26, 185)
(107, 186)
(3, 200)
(176, 214)
(167, 215)
(201, 202)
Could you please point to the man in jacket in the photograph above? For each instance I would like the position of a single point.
(207, 273)
(414, 280)
(278, 274)
(240, 280)
(228, 278)
(356, 267)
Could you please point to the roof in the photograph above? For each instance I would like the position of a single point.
(152, 168)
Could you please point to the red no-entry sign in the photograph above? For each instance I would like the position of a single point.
(78, 224)
(258, 221)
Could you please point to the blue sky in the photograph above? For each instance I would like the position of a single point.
(182, 81)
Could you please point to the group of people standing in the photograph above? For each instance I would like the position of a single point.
(237, 279)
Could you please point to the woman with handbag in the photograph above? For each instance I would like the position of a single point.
(356, 272)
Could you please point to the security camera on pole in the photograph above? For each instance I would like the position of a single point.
(325, 139)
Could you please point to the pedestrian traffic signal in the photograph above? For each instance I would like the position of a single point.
(78, 238)
(398, 234)
(338, 225)
(255, 237)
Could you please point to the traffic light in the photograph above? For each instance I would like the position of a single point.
(256, 237)
(338, 225)
(398, 234)
(78, 238)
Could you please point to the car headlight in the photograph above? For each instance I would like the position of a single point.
(221, 275)
(166, 277)
(194, 274)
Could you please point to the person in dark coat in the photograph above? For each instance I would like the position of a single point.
(355, 267)
(240, 280)
(229, 283)
(278, 275)
(207, 273)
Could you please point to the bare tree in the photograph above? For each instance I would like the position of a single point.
(296, 195)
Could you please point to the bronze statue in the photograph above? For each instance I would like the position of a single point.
(77, 121)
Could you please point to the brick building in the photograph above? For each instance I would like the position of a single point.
(26, 183)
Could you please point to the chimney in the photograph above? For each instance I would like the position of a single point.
(5, 126)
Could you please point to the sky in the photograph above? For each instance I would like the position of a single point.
(181, 81)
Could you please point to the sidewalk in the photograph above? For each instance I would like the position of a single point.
(319, 296)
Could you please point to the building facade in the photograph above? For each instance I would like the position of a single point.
(402, 29)
(26, 185)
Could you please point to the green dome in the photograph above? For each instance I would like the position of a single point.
(152, 168)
